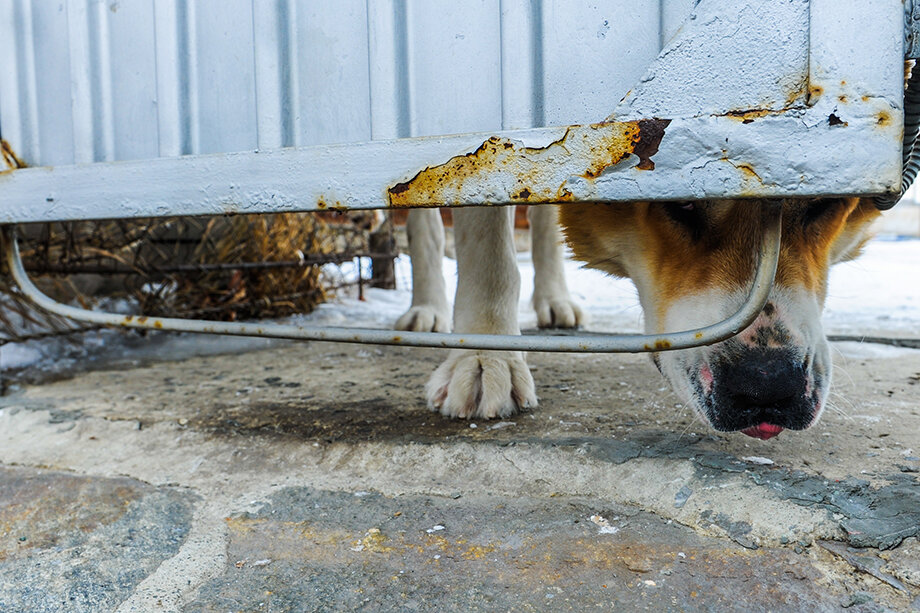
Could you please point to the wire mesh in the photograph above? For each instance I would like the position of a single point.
(220, 268)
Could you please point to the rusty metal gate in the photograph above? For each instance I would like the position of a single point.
(141, 108)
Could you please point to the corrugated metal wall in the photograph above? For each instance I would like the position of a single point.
(101, 80)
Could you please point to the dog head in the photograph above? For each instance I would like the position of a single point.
(693, 263)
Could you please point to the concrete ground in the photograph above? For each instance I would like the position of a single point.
(311, 477)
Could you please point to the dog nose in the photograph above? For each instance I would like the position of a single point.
(761, 392)
(764, 379)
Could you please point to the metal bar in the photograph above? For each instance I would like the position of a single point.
(775, 98)
(705, 157)
(763, 281)
(76, 269)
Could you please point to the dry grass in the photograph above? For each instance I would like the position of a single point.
(247, 293)
(182, 267)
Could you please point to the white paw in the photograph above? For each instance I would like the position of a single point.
(424, 318)
(558, 312)
(483, 384)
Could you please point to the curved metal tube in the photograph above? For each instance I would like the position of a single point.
(631, 343)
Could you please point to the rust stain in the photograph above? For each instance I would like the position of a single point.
(796, 92)
(660, 345)
(814, 92)
(10, 159)
(142, 320)
(883, 118)
(524, 194)
(749, 115)
(748, 171)
(158, 324)
(651, 132)
(533, 174)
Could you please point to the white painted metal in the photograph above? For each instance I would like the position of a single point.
(457, 69)
(521, 64)
(388, 68)
(18, 98)
(171, 82)
(713, 61)
(768, 258)
(97, 80)
(856, 60)
(593, 52)
(674, 14)
(771, 157)
(454, 68)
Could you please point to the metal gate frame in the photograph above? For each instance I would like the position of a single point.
(818, 111)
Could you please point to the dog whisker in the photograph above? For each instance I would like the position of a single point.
(843, 370)
(837, 409)
(694, 420)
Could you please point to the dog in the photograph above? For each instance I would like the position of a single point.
(429, 311)
(692, 264)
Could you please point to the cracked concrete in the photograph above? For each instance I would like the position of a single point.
(311, 477)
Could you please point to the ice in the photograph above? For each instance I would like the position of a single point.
(18, 355)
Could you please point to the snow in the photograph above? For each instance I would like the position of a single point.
(876, 295)
(878, 291)
(19, 355)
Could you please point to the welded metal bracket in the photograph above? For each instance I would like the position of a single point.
(768, 258)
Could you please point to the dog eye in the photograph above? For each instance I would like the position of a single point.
(819, 209)
(687, 215)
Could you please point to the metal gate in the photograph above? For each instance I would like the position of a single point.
(140, 108)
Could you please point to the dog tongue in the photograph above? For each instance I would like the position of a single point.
(763, 431)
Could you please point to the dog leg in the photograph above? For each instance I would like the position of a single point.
(484, 384)
(551, 300)
(429, 311)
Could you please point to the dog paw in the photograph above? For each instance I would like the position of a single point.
(481, 384)
(558, 312)
(424, 319)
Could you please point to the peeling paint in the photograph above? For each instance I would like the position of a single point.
(749, 115)
(512, 172)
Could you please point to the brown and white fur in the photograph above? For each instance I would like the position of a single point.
(692, 264)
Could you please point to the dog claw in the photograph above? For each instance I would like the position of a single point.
(558, 313)
(481, 385)
(424, 318)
